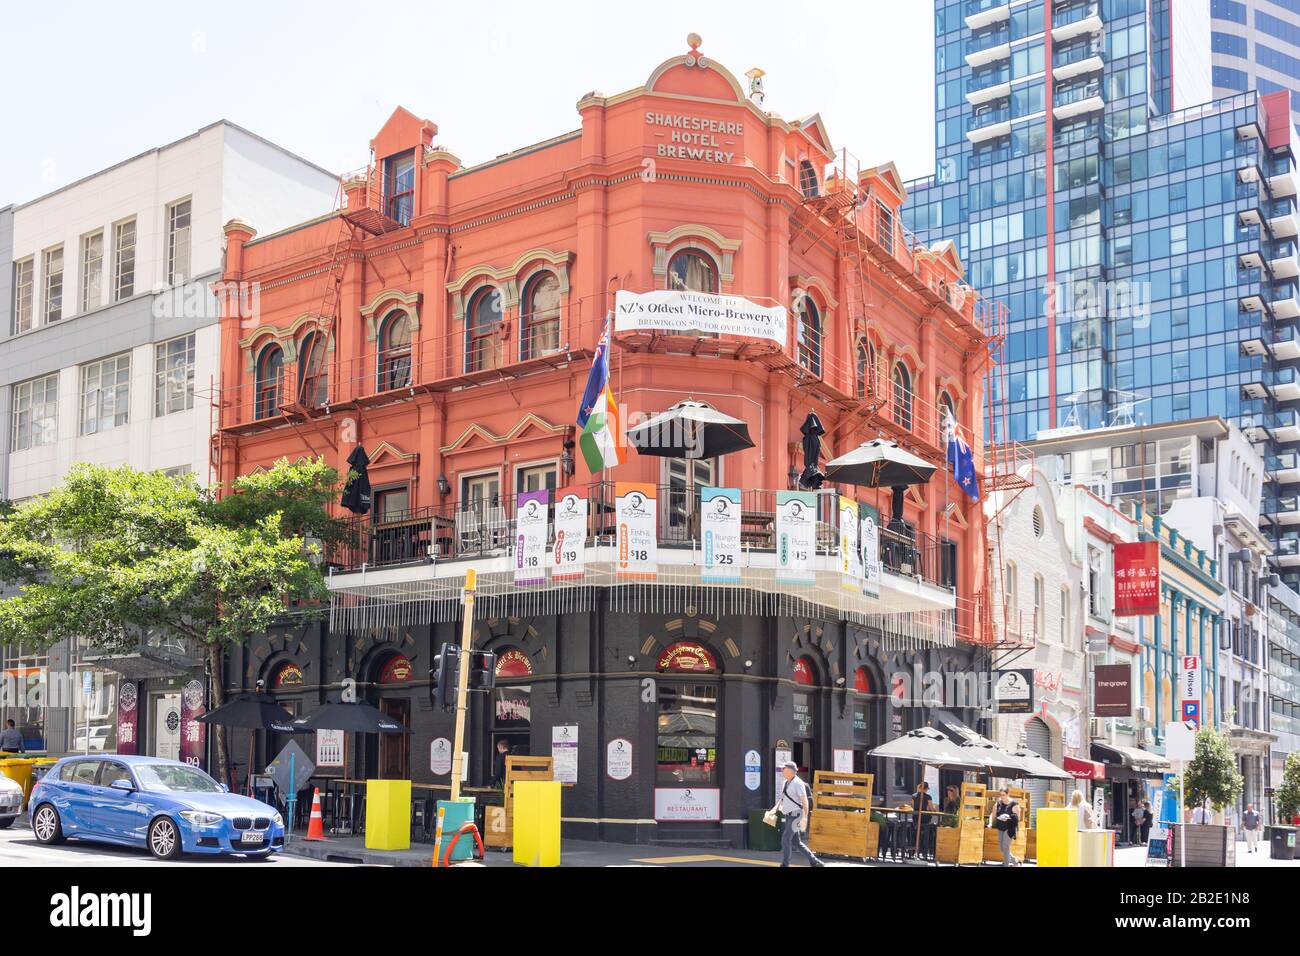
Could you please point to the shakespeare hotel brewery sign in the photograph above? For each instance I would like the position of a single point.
(695, 137)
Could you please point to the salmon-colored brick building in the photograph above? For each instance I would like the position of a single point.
(445, 319)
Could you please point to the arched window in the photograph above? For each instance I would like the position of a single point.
(540, 316)
(902, 395)
(947, 408)
(313, 378)
(483, 331)
(692, 270)
(866, 359)
(270, 375)
(810, 334)
(808, 181)
(395, 352)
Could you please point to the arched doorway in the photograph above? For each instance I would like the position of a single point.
(511, 707)
(688, 768)
(393, 675)
(804, 707)
(868, 709)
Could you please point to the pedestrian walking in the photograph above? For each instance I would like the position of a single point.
(1250, 822)
(11, 739)
(1148, 818)
(1139, 822)
(793, 804)
(1201, 814)
(499, 764)
(1005, 818)
(1087, 819)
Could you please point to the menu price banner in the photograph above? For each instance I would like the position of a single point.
(796, 537)
(532, 522)
(635, 508)
(564, 752)
(1137, 578)
(869, 539)
(701, 805)
(720, 535)
(850, 554)
(568, 554)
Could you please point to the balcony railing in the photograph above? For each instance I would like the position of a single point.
(1065, 14)
(486, 526)
(1075, 53)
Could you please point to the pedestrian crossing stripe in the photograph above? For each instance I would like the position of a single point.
(705, 858)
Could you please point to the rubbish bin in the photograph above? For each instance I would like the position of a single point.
(762, 836)
(455, 814)
(19, 769)
(41, 765)
(388, 814)
(1281, 843)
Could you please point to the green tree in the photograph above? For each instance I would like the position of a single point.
(1287, 795)
(1212, 776)
(112, 552)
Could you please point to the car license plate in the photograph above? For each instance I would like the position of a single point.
(251, 837)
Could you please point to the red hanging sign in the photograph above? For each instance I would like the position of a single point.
(1137, 578)
(862, 681)
(803, 671)
(289, 675)
(514, 663)
(398, 670)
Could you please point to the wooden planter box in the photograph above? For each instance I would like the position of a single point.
(841, 817)
(1208, 844)
(946, 840)
(1031, 845)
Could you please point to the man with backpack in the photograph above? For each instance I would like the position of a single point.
(795, 806)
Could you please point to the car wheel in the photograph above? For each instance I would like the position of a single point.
(46, 824)
(164, 839)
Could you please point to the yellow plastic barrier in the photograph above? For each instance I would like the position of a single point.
(536, 808)
(1095, 848)
(19, 769)
(1058, 836)
(388, 814)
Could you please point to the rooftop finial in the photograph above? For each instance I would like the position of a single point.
(693, 41)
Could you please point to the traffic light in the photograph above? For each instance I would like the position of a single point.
(444, 677)
(482, 670)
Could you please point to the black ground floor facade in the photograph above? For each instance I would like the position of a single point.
(670, 726)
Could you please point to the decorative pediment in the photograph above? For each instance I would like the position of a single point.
(814, 128)
(809, 283)
(888, 179)
(956, 515)
(509, 279)
(667, 244)
(476, 433)
(907, 353)
(386, 453)
(951, 383)
(386, 300)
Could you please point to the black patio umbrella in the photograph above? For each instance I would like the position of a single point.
(253, 712)
(812, 430)
(352, 718)
(690, 430)
(356, 494)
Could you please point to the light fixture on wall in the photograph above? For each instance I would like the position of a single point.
(566, 459)
(444, 486)
(792, 476)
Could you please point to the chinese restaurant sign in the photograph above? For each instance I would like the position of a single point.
(1137, 578)
(569, 551)
(635, 508)
(193, 733)
(128, 717)
(720, 535)
(670, 310)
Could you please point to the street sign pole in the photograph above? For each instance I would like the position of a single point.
(462, 682)
(1182, 808)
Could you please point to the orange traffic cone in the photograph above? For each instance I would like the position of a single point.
(316, 824)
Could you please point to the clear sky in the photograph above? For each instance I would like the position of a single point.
(90, 84)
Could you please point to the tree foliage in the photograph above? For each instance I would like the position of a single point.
(1288, 794)
(1212, 776)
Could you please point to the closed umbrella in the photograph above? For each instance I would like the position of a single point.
(356, 494)
(812, 430)
(690, 430)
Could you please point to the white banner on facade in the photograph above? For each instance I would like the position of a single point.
(532, 522)
(636, 511)
(568, 555)
(720, 535)
(796, 537)
(869, 538)
(685, 312)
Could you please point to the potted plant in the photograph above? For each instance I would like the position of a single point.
(946, 839)
(1211, 780)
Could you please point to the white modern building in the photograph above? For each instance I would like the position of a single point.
(109, 353)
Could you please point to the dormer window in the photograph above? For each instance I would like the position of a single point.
(399, 187)
(809, 184)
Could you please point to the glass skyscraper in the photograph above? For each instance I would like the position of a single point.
(1255, 45)
(1142, 234)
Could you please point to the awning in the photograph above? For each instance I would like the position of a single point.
(1082, 769)
(1131, 758)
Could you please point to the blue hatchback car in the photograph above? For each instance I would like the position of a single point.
(165, 805)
